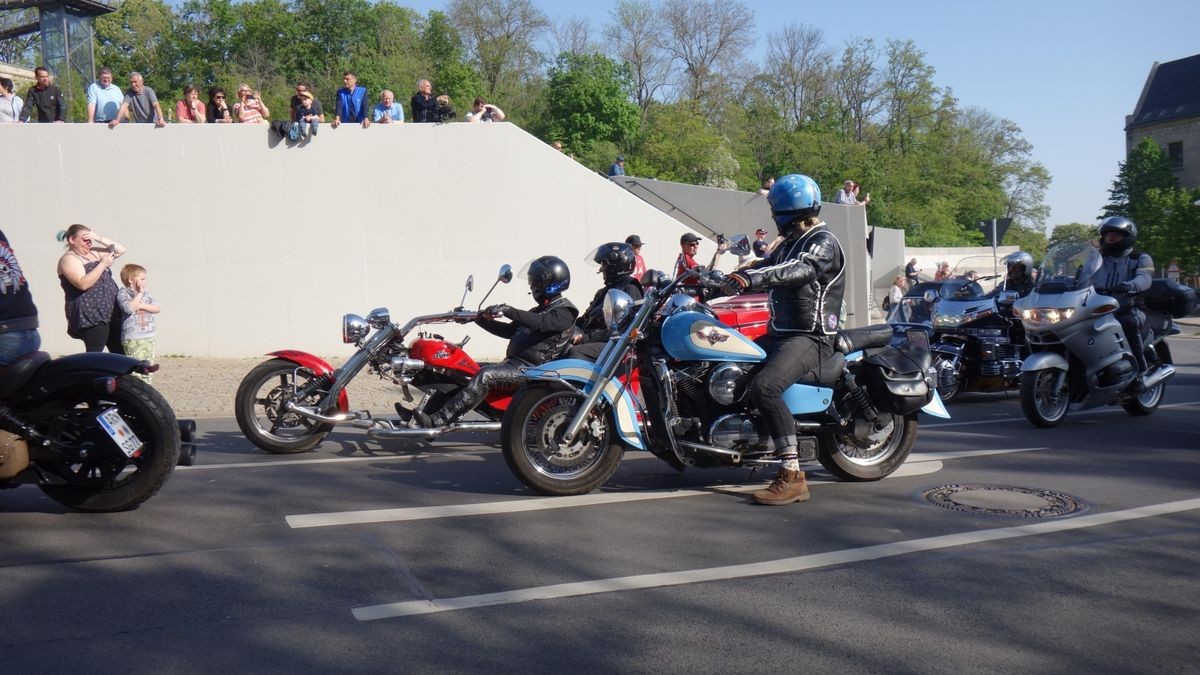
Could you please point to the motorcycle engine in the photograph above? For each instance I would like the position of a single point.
(732, 431)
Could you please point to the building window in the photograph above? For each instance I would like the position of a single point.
(1175, 154)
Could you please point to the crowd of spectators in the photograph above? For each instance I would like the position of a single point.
(109, 104)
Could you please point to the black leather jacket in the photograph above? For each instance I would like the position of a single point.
(805, 278)
(539, 335)
(1022, 285)
(591, 322)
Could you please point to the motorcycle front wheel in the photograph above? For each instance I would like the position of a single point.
(1044, 397)
(106, 480)
(948, 384)
(259, 408)
(873, 455)
(531, 438)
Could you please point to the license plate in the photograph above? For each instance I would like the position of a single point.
(114, 425)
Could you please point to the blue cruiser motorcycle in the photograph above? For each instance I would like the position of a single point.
(568, 426)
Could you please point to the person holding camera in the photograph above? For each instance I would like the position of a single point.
(428, 108)
(483, 111)
(250, 109)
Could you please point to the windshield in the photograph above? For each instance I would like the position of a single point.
(986, 270)
(1068, 267)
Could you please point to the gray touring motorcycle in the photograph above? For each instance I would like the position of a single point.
(1080, 357)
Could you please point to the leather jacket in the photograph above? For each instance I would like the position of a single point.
(805, 278)
(591, 322)
(539, 335)
(1135, 267)
(1022, 285)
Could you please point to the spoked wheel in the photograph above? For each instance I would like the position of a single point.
(948, 378)
(106, 479)
(1045, 396)
(532, 442)
(864, 453)
(1147, 401)
(262, 417)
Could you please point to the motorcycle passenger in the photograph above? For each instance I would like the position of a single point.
(1020, 273)
(1124, 274)
(18, 315)
(805, 278)
(617, 261)
(534, 337)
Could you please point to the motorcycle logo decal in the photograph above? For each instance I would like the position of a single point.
(712, 335)
(832, 321)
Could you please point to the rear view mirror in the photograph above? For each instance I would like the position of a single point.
(740, 245)
(931, 296)
(470, 282)
(506, 274)
(1007, 297)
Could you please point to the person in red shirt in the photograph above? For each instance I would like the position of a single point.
(639, 265)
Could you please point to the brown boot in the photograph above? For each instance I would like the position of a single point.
(788, 487)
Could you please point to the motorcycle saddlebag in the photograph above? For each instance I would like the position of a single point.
(1171, 297)
(895, 382)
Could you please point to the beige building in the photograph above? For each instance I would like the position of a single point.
(1168, 111)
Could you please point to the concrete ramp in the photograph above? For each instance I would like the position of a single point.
(253, 244)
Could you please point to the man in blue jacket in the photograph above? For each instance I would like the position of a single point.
(353, 103)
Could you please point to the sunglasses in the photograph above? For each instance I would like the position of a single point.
(219, 96)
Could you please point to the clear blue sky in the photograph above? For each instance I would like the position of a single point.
(1066, 72)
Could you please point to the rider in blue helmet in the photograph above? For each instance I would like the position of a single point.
(804, 277)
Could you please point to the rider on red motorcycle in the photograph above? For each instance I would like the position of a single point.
(535, 337)
(616, 261)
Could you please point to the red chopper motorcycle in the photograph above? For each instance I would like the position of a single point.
(290, 403)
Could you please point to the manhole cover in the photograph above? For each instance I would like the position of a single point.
(1005, 501)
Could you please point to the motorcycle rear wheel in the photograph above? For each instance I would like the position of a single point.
(106, 481)
(873, 457)
(530, 438)
(1044, 405)
(258, 407)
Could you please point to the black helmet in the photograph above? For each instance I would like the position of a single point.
(1019, 258)
(616, 259)
(548, 278)
(1118, 224)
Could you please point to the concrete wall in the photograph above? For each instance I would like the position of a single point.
(713, 210)
(253, 245)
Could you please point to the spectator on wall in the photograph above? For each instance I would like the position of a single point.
(618, 167)
(294, 103)
(140, 104)
(103, 98)
(387, 111)
(352, 104)
(45, 99)
(217, 110)
(10, 103)
(190, 109)
(482, 111)
(427, 108)
(308, 116)
(766, 185)
(250, 108)
(848, 195)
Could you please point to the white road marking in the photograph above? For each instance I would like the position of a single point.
(545, 503)
(782, 566)
(1094, 411)
(964, 454)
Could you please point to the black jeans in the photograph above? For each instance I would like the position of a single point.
(789, 358)
(96, 338)
(587, 351)
(508, 372)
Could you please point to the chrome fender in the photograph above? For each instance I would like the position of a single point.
(1043, 361)
(583, 373)
(936, 407)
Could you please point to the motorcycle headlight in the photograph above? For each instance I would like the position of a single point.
(379, 317)
(1046, 315)
(616, 307)
(945, 320)
(354, 328)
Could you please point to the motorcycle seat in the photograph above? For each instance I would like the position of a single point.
(16, 374)
(854, 339)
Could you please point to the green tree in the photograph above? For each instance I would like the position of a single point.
(1071, 232)
(1146, 168)
(1177, 226)
(680, 144)
(588, 99)
(132, 39)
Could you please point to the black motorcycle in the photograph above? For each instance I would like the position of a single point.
(979, 342)
(86, 431)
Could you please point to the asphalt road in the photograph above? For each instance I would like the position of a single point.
(392, 557)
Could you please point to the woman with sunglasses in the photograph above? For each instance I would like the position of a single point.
(86, 278)
(217, 110)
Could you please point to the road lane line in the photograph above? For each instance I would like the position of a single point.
(782, 566)
(965, 454)
(1073, 413)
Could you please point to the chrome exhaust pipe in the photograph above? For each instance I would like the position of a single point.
(314, 415)
(1153, 379)
(384, 429)
(733, 455)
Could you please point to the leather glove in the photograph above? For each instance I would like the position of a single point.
(498, 310)
(735, 283)
(1125, 287)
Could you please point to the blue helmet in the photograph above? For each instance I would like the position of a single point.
(793, 197)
